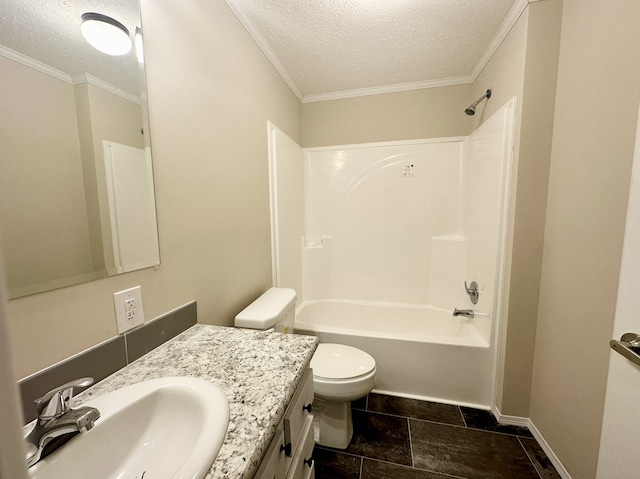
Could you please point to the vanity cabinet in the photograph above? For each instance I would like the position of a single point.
(290, 453)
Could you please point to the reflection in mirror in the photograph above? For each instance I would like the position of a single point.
(76, 185)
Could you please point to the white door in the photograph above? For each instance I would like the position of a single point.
(620, 441)
(132, 208)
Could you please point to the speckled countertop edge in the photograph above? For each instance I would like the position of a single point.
(258, 371)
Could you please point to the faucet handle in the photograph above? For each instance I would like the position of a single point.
(472, 291)
(56, 402)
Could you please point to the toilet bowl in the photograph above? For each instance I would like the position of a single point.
(341, 373)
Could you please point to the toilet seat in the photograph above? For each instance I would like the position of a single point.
(339, 361)
(342, 373)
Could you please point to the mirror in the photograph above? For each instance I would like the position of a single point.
(76, 184)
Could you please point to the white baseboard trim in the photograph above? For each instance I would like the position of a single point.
(526, 422)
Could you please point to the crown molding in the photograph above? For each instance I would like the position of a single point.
(500, 35)
(34, 64)
(240, 12)
(75, 79)
(395, 88)
(79, 78)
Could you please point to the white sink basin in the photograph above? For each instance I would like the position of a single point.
(161, 428)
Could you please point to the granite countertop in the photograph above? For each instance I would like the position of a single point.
(258, 371)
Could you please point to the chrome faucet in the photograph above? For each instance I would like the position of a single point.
(467, 313)
(57, 422)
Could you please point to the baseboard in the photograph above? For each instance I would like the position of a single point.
(525, 421)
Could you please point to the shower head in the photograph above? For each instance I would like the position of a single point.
(471, 109)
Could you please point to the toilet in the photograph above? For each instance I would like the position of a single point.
(341, 373)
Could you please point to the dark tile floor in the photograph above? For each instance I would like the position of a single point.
(399, 438)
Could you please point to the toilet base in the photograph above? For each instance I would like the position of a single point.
(332, 423)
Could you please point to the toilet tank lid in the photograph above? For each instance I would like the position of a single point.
(267, 310)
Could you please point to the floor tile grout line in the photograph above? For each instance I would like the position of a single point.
(412, 466)
(464, 421)
(363, 458)
(410, 442)
(443, 474)
(339, 451)
(521, 438)
(465, 427)
(411, 417)
(529, 457)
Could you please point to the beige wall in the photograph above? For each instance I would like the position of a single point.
(11, 440)
(209, 108)
(103, 115)
(114, 118)
(211, 92)
(504, 76)
(89, 171)
(525, 66)
(40, 142)
(594, 131)
(416, 114)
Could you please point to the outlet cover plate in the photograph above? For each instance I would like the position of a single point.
(128, 306)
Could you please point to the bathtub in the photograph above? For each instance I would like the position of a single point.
(420, 352)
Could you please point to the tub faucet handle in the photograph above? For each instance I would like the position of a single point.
(472, 291)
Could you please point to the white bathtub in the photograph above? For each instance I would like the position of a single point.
(420, 352)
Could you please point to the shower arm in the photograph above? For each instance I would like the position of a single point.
(487, 95)
(471, 109)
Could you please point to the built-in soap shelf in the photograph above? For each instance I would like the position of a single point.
(315, 242)
(312, 242)
(449, 238)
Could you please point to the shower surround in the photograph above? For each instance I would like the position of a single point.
(399, 227)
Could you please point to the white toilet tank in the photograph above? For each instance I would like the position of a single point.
(275, 308)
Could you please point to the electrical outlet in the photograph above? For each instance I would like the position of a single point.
(128, 306)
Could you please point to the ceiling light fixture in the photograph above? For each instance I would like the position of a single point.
(105, 34)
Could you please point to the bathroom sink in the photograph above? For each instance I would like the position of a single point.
(161, 428)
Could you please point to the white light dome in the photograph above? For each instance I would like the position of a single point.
(106, 34)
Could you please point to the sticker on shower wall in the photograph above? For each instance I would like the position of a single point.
(407, 170)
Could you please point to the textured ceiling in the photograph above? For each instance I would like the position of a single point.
(49, 31)
(322, 48)
(328, 46)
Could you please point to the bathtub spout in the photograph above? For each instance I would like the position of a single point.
(467, 313)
